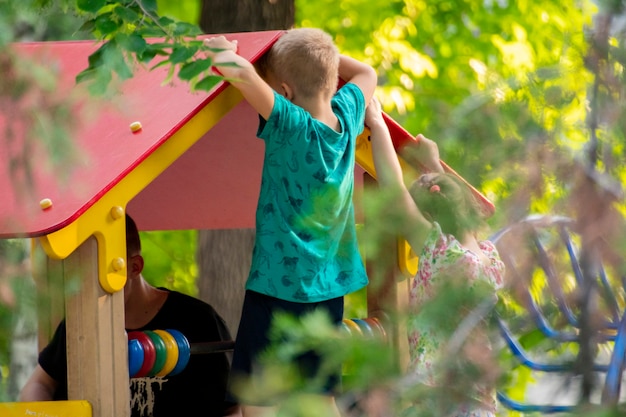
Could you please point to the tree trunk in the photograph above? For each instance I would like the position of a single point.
(224, 16)
(224, 256)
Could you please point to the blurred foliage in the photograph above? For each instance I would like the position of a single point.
(36, 20)
(468, 74)
(124, 26)
(524, 99)
(170, 260)
(186, 11)
(17, 301)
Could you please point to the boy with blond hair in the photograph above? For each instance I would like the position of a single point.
(305, 256)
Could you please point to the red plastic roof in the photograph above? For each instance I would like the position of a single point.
(213, 185)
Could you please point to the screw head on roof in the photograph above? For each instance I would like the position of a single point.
(45, 203)
(135, 127)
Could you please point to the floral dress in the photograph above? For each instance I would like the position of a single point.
(444, 256)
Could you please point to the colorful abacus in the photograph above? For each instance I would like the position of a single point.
(370, 327)
(157, 353)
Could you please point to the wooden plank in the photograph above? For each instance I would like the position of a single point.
(48, 276)
(96, 341)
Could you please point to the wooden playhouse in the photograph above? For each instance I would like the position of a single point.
(194, 164)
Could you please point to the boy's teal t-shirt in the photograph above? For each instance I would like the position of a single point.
(306, 247)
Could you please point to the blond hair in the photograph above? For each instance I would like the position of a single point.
(306, 59)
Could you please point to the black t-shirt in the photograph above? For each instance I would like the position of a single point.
(198, 390)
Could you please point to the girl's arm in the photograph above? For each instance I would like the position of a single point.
(389, 175)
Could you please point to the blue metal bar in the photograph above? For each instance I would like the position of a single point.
(608, 292)
(613, 380)
(532, 408)
(521, 355)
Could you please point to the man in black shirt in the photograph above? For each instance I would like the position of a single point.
(198, 390)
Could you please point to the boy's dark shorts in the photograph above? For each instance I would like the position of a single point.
(252, 339)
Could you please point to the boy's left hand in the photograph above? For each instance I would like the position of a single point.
(220, 42)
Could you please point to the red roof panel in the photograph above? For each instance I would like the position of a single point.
(107, 150)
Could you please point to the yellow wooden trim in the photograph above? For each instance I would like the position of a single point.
(46, 409)
(101, 219)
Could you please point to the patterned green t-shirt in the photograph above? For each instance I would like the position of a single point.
(306, 248)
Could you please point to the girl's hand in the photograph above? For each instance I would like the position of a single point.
(424, 152)
(373, 114)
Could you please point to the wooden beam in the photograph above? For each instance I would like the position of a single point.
(97, 348)
(48, 276)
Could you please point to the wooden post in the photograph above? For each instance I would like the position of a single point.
(48, 276)
(97, 348)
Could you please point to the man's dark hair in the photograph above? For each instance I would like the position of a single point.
(133, 243)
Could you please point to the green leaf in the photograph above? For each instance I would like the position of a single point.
(87, 26)
(90, 6)
(166, 21)
(127, 14)
(106, 25)
(194, 68)
(160, 64)
(150, 31)
(114, 59)
(95, 59)
(161, 45)
(86, 75)
(146, 55)
(149, 5)
(182, 54)
(101, 82)
(132, 43)
(187, 29)
(208, 82)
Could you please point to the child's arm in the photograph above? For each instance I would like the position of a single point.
(243, 76)
(389, 175)
(356, 72)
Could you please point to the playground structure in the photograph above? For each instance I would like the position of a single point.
(177, 171)
(158, 173)
(547, 270)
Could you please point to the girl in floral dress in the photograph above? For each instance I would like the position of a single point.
(441, 219)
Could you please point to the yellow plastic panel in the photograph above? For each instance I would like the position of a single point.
(46, 409)
(407, 259)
